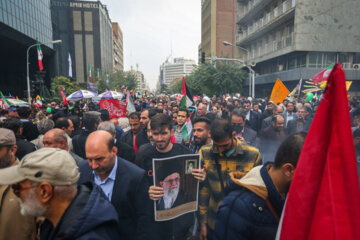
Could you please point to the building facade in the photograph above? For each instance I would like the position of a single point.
(140, 80)
(86, 31)
(217, 25)
(295, 39)
(172, 71)
(118, 52)
(22, 23)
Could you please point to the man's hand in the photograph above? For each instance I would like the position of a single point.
(155, 193)
(203, 233)
(199, 174)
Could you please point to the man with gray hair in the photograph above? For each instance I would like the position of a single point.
(90, 121)
(124, 150)
(57, 138)
(43, 126)
(13, 224)
(48, 188)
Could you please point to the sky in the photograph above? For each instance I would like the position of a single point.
(155, 29)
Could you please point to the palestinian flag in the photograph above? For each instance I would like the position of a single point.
(187, 99)
(40, 56)
(186, 129)
(6, 103)
(323, 75)
(130, 107)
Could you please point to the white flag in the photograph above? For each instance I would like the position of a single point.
(70, 68)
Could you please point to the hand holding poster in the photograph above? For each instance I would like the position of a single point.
(180, 187)
(116, 108)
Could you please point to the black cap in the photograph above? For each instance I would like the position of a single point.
(168, 168)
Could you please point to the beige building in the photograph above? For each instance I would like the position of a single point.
(171, 71)
(217, 25)
(295, 39)
(118, 53)
(140, 80)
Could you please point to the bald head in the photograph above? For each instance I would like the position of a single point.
(279, 110)
(101, 153)
(56, 138)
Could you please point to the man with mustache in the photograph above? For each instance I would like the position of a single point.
(13, 224)
(201, 134)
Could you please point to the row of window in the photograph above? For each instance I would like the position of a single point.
(265, 17)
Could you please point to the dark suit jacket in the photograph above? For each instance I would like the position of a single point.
(292, 126)
(129, 197)
(128, 138)
(24, 147)
(253, 121)
(125, 151)
(79, 141)
(250, 136)
(181, 198)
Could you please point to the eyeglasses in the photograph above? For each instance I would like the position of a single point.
(17, 188)
(171, 181)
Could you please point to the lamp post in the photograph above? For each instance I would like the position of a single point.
(251, 71)
(27, 65)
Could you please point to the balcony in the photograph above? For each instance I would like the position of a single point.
(250, 13)
(251, 34)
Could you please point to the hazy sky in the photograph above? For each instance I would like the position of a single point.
(151, 28)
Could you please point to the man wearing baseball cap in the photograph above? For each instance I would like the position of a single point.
(45, 181)
(12, 224)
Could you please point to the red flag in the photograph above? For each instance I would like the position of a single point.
(323, 75)
(63, 96)
(323, 201)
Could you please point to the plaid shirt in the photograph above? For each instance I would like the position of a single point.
(243, 159)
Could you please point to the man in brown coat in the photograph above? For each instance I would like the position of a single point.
(13, 225)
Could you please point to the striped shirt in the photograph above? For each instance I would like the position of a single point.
(243, 159)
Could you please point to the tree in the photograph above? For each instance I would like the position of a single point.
(66, 85)
(208, 79)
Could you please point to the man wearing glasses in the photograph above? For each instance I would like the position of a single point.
(13, 224)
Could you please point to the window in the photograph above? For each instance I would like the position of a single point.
(293, 3)
(276, 10)
(284, 6)
(261, 21)
(315, 60)
(268, 16)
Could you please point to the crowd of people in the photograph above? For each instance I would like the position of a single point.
(71, 172)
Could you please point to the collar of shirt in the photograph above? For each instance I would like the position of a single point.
(24, 120)
(111, 176)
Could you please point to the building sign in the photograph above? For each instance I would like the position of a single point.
(84, 5)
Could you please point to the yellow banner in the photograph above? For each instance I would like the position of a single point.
(348, 84)
(279, 92)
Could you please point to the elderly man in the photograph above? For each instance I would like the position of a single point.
(169, 175)
(47, 188)
(13, 224)
(67, 125)
(43, 126)
(57, 138)
(123, 183)
(123, 150)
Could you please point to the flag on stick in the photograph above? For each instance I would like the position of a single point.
(70, 67)
(6, 102)
(130, 104)
(323, 201)
(63, 97)
(323, 75)
(187, 99)
(90, 74)
(279, 92)
(186, 129)
(40, 56)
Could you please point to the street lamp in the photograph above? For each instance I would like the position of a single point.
(27, 65)
(252, 72)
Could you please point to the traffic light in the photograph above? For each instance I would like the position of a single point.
(202, 57)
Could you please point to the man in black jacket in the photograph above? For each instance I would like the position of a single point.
(91, 121)
(24, 147)
(123, 150)
(123, 183)
(134, 137)
(30, 131)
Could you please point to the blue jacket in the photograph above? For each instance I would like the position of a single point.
(89, 216)
(244, 213)
(129, 197)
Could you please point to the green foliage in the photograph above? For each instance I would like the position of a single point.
(115, 81)
(66, 84)
(208, 79)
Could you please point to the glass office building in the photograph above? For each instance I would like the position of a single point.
(22, 22)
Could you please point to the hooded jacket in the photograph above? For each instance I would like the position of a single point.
(89, 216)
(251, 208)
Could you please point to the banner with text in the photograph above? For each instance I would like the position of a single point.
(116, 108)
